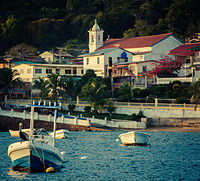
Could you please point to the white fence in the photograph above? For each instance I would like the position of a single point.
(168, 80)
(25, 115)
(74, 120)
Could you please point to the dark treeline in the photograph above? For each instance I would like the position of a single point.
(45, 24)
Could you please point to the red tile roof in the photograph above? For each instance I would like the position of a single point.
(183, 50)
(135, 42)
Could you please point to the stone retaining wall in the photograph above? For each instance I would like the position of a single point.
(175, 122)
(7, 123)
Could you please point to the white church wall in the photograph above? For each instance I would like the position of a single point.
(162, 48)
(115, 54)
(94, 64)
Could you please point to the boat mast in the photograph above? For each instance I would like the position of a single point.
(32, 122)
(54, 126)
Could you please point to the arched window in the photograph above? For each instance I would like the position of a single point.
(92, 38)
(124, 55)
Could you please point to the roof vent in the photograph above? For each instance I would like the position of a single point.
(117, 45)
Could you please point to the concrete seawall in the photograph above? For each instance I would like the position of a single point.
(175, 122)
(7, 123)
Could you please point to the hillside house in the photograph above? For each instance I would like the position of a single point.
(56, 57)
(32, 72)
(189, 53)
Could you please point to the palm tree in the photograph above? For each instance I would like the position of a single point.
(43, 86)
(96, 93)
(125, 92)
(55, 85)
(9, 80)
(71, 86)
(195, 88)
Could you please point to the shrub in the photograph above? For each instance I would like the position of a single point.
(71, 107)
(110, 107)
(87, 109)
(140, 115)
(133, 117)
(180, 100)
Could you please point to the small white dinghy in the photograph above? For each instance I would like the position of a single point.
(37, 152)
(134, 138)
(15, 133)
(61, 133)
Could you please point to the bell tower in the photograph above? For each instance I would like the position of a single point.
(95, 37)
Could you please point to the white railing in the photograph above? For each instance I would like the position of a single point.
(74, 120)
(168, 80)
(117, 104)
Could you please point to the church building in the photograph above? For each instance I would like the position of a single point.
(136, 51)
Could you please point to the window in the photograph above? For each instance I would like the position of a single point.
(21, 71)
(110, 72)
(68, 71)
(187, 61)
(28, 71)
(99, 37)
(92, 38)
(82, 71)
(110, 61)
(144, 68)
(74, 71)
(97, 60)
(48, 71)
(87, 61)
(57, 71)
(38, 71)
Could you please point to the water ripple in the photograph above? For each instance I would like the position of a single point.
(97, 156)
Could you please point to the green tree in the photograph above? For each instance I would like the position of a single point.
(96, 93)
(9, 80)
(195, 89)
(183, 17)
(22, 50)
(88, 76)
(71, 107)
(110, 107)
(71, 86)
(55, 86)
(13, 30)
(125, 92)
(43, 86)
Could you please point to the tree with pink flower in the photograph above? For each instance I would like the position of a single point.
(166, 67)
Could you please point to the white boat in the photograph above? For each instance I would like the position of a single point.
(61, 134)
(37, 152)
(134, 138)
(15, 133)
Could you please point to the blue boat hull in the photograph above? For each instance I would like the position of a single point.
(36, 157)
(33, 164)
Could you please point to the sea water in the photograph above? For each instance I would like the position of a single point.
(97, 156)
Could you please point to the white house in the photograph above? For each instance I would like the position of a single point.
(52, 57)
(101, 60)
(32, 72)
